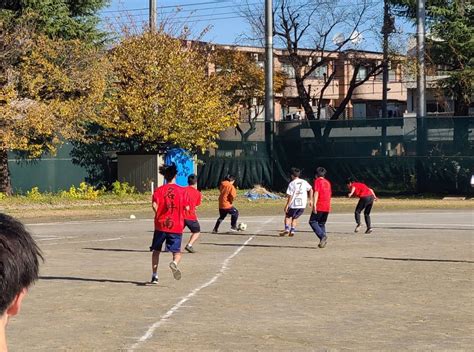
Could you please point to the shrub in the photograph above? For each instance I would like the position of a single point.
(84, 191)
(122, 188)
(34, 194)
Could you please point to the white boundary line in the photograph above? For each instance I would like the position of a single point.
(177, 306)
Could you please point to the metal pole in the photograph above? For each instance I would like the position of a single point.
(421, 130)
(269, 103)
(385, 31)
(420, 40)
(152, 13)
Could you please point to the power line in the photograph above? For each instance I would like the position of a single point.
(170, 6)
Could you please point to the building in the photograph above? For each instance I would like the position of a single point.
(366, 100)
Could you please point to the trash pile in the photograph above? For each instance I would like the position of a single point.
(259, 192)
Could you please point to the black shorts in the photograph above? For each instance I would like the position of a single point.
(193, 225)
(294, 213)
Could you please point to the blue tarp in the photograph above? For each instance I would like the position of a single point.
(260, 193)
(184, 162)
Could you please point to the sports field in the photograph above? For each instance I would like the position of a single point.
(407, 286)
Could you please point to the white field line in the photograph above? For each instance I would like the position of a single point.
(177, 306)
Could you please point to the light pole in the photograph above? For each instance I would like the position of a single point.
(152, 15)
(269, 103)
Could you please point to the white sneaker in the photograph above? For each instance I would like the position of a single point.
(175, 270)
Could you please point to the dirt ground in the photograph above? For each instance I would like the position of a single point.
(407, 286)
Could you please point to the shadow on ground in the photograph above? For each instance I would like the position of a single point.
(423, 260)
(85, 279)
(117, 250)
(255, 245)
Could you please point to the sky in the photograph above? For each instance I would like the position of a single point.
(222, 20)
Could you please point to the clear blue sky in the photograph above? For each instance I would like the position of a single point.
(222, 18)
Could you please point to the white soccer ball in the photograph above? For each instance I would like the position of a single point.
(132, 217)
(242, 226)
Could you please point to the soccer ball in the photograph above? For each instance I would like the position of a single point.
(242, 226)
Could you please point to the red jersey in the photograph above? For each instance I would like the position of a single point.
(361, 190)
(323, 187)
(194, 197)
(171, 200)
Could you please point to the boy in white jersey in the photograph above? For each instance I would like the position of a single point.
(297, 194)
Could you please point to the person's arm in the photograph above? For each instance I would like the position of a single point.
(310, 197)
(154, 206)
(351, 192)
(288, 200)
(315, 200)
(232, 194)
(373, 193)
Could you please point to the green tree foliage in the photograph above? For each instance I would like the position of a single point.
(450, 45)
(48, 91)
(161, 93)
(67, 19)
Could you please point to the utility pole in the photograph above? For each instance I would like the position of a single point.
(421, 131)
(269, 104)
(386, 30)
(388, 27)
(152, 14)
(420, 41)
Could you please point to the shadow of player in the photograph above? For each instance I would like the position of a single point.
(84, 279)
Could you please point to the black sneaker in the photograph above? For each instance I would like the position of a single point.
(190, 249)
(154, 280)
(284, 233)
(323, 242)
(357, 228)
(234, 229)
(291, 234)
(369, 230)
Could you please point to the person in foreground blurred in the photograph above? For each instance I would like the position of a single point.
(19, 267)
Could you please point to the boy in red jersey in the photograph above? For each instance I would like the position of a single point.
(190, 217)
(366, 201)
(321, 206)
(169, 203)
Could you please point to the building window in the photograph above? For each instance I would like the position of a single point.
(319, 72)
(288, 70)
(362, 74)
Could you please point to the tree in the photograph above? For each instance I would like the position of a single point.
(48, 92)
(65, 19)
(161, 94)
(299, 25)
(450, 44)
(244, 80)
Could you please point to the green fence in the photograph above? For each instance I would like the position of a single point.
(395, 156)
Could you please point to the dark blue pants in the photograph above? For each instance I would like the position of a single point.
(234, 216)
(365, 204)
(317, 221)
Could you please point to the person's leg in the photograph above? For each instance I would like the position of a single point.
(156, 247)
(155, 259)
(222, 214)
(287, 223)
(173, 244)
(367, 211)
(234, 213)
(296, 213)
(360, 206)
(294, 223)
(322, 218)
(313, 222)
(195, 228)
